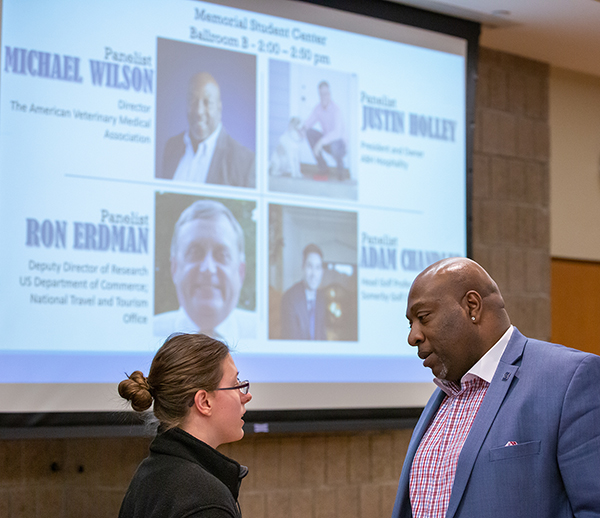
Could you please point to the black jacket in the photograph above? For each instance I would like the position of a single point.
(183, 478)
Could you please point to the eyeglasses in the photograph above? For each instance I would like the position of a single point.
(242, 386)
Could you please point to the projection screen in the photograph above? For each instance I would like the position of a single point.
(319, 156)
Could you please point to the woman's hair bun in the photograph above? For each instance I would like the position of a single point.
(136, 390)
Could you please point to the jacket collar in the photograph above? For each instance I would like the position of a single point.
(179, 443)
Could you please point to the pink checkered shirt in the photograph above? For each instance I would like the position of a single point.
(434, 466)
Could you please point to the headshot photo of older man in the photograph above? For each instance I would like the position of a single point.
(208, 267)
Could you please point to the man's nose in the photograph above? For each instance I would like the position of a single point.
(246, 398)
(208, 263)
(198, 108)
(415, 336)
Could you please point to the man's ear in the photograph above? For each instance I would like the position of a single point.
(203, 402)
(473, 305)
(173, 267)
(242, 272)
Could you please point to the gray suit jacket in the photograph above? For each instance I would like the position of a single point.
(232, 163)
(294, 315)
(545, 397)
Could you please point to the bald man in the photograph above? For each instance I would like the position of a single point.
(513, 429)
(206, 153)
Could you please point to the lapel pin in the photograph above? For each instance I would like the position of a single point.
(506, 376)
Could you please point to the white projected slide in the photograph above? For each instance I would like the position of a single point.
(312, 172)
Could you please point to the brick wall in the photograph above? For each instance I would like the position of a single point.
(304, 476)
(321, 476)
(511, 220)
(352, 474)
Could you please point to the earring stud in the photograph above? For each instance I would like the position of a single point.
(473, 318)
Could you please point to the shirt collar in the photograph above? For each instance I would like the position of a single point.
(486, 367)
(310, 294)
(209, 142)
(227, 330)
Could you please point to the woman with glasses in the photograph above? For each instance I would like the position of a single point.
(199, 403)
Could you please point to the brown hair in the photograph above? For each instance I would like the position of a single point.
(311, 249)
(185, 364)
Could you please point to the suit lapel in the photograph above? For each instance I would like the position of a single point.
(303, 313)
(320, 316)
(216, 173)
(402, 505)
(501, 382)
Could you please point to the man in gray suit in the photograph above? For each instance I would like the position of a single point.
(303, 306)
(206, 153)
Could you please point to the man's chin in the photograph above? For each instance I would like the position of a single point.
(440, 372)
(207, 311)
(208, 306)
(199, 135)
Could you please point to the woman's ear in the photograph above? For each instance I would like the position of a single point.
(203, 402)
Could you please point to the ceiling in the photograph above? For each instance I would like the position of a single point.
(564, 33)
